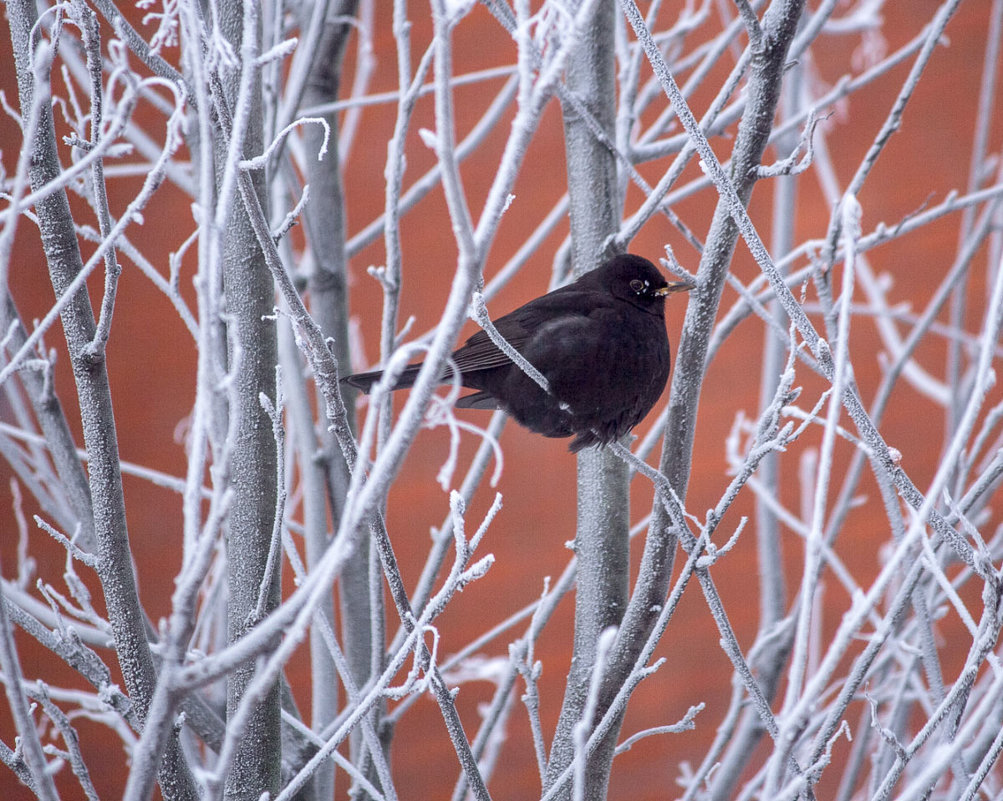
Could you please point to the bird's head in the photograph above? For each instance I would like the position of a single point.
(639, 282)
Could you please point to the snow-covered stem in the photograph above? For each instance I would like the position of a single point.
(30, 747)
(892, 122)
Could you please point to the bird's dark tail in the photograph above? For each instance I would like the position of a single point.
(366, 381)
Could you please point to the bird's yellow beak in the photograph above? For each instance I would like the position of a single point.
(676, 286)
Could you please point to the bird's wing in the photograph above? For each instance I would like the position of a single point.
(519, 327)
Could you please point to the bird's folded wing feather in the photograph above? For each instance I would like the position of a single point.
(521, 326)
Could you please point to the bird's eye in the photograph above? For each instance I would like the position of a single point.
(637, 285)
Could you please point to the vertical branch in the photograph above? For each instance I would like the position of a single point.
(92, 45)
(976, 177)
(601, 541)
(850, 226)
(29, 747)
(325, 217)
(771, 585)
(32, 60)
(749, 730)
(766, 72)
(249, 299)
(391, 274)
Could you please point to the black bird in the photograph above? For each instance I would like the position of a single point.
(600, 342)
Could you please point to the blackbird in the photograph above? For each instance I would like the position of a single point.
(600, 342)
